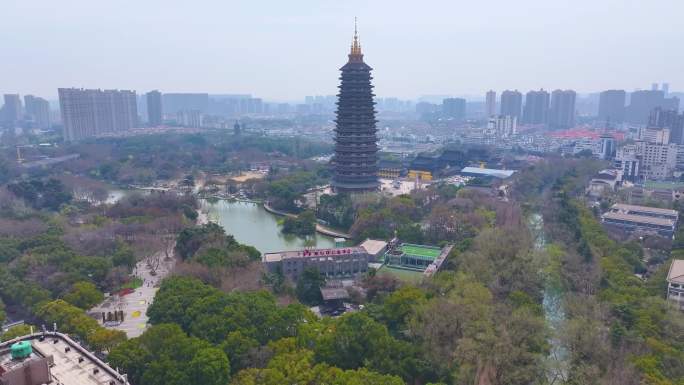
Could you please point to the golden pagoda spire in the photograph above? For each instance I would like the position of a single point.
(356, 54)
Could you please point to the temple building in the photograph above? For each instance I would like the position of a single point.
(355, 163)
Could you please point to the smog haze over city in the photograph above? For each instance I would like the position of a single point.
(283, 50)
(341, 192)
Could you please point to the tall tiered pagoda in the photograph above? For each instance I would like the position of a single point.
(355, 162)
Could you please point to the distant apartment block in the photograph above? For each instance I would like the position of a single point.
(612, 106)
(642, 218)
(675, 283)
(192, 118)
(12, 108)
(511, 104)
(332, 263)
(536, 107)
(93, 112)
(562, 109)
(154, 108)
(176, 102)
(643, 102)
(454, 108)
(490, 103)
(37, 111)
(668, 119)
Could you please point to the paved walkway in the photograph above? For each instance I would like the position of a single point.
(135, 304)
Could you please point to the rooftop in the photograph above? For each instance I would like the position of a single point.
(488, 172)
(422, 251)
(676, 272)
(331, 294)
(373, 246)
(639, 219)
(645, 209)
(72, 364)
(311, 253)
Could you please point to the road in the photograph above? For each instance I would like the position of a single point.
(134, 305)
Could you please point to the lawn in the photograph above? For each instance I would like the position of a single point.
(405, 275)
(421, 251)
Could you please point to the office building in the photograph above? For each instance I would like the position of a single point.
(612, 106)
(626, 160)
(562, 110)
(511, 104)
(608, 147)
(12, 108)
(355, 162)
(454, 108)
(175, 102)
(154, 108)
(87, 113)
(536, 107)
(341, 262)
(490, 103)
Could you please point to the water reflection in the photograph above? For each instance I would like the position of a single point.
(250, 224)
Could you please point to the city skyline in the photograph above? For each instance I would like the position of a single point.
(218, 54)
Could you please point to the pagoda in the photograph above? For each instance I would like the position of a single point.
(355, 163)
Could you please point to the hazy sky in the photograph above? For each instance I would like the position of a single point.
(285, 49)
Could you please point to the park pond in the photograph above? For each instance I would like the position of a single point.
(252, 225)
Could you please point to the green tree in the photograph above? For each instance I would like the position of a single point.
(304, 224)
(84, 295)
(291, 365)
(399, 306)
(17, 331)
(164, 354)
(106, 339)
(309, 286)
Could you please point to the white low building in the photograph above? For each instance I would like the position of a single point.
(675, 283)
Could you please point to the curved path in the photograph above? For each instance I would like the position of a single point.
(319, 227)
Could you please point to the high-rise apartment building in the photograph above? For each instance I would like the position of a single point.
(511, 104)
(668, 119)
(37, 111)
(355, 162)
(536, 107)
(88, 113)
(490, 103)
(643, 102)
(154, 108)
(12, 108)
(612, 106)
(562, 110)
(454, 108)
(191, 118)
